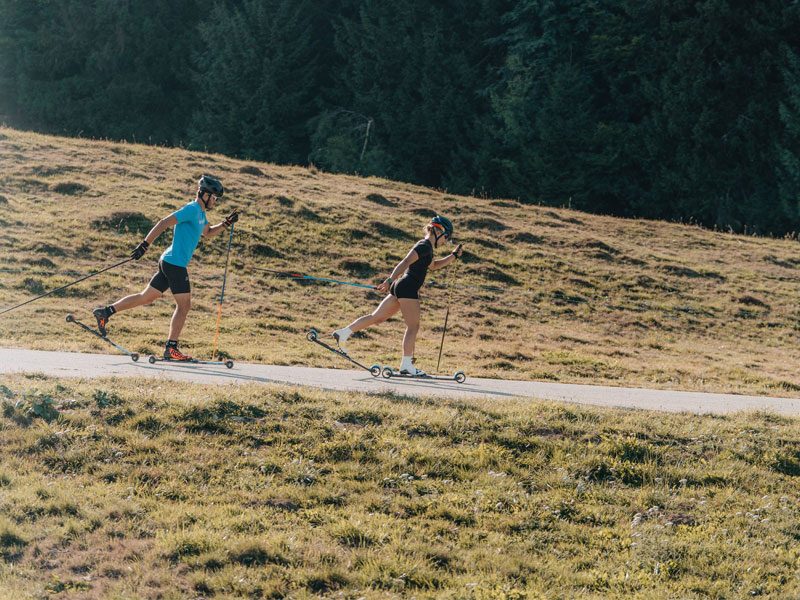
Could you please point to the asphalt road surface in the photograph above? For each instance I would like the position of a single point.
(70, 364)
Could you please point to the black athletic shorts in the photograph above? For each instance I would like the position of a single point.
(171, 276)
(405, 287)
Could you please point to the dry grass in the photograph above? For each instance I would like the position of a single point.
(111, 489)
(542, 293)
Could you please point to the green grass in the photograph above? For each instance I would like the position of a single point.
(541, 293)
(125, 490)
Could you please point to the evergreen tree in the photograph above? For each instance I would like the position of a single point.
(788, 146)
(102, 69)
(408, 74)
(255, 80)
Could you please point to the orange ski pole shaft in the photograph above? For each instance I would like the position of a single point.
(222, 295)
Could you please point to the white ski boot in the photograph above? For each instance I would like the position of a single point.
(407, 367)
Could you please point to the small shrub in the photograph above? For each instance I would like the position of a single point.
(69, 188)
(104, 398)
(360, 417)
(12, 543)
(596, 244)
(265, 251)
(306, 214)
(357, 267)
(184, 545)
(251, 170)
(751, 301)
(3, 200)
(494, 274)
(254, 553)
(125, 222)
(33, 285)
(40, 262)
(485, 224)
(352, 536)
(387, 231)
(49, 249)
(378, 199)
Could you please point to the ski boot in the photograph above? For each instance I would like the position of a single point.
(102, 315)
(407, 368)
(172, 353)
(341, 336)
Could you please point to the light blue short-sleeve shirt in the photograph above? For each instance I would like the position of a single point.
(186, 234)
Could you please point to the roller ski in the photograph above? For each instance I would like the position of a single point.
(71, 319)
(312, 336)
(409, 371)
(173, 355)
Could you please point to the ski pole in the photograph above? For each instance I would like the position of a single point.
(301, 276)
(222, 295)
(66, 286)
(446, 315)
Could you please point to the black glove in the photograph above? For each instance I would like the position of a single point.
(457, 251)
(232, 218)
(139, 251)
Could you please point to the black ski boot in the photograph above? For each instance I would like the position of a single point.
(102, 315)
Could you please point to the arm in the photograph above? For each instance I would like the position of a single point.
(212, 230)
(159, 228)
(156, 231)
(401, 267)
(443, 262)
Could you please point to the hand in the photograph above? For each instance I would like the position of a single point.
(457, 251)
(384, 287)
(232, 218)
(139, 251)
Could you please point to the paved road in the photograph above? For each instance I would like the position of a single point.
(69, 364)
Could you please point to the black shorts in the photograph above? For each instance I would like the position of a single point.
(405, 287)
(171, 276)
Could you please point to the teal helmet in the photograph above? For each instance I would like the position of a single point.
(444, 225)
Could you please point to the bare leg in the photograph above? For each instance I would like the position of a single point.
(146, 296)
(410, 308)
(183, 302)
(389, 306)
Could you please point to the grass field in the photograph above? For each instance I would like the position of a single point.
(542, 293)
(114, 489)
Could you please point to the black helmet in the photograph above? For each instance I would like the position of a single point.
(444, 224)
(210, 185)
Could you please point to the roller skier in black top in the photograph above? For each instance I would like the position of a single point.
(403, 286)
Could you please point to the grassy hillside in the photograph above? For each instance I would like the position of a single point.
(109, 489)
(541, 294)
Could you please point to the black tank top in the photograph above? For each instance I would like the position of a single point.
(418, 269)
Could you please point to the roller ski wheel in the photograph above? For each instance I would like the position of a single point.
(313, 336)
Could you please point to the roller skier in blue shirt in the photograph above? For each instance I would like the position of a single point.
(190, 224)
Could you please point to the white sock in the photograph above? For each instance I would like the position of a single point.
(406, 363)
